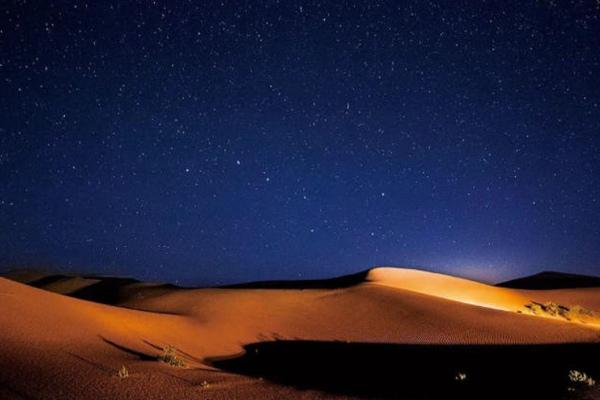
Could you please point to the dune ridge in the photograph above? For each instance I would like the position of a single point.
(448, 287)
(43, 332)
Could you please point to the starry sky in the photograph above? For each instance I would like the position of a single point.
(207, 142)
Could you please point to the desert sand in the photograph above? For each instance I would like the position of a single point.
(56, 346)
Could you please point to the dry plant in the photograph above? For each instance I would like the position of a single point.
(461, 377)
(169, 356)
(123, 372)
(554, 310)
(581, 378)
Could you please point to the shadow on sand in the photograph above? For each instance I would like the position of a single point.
(420, 371)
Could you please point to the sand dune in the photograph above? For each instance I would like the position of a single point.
(553, 280)
(449, 287)
(56, 346)
(100, 289)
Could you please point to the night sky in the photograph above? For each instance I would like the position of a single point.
(204, 142)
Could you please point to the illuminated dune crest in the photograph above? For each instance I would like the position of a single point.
(449, 287)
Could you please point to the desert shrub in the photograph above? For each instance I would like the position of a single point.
(535, 308)
(123, 372)
(574, 313)
(169, 356)
(548, 308)
(578, 313)
(579, 377)
(461, 377)
(555, 310)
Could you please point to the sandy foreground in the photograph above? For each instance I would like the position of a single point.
(58, 347)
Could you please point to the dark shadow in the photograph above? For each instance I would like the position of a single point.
(332, 283)
(418, 371)
(157, 347)
(148, 310)
(139, 354)
(106, 291)
(94, 364)
(48, 280)
(14, 393)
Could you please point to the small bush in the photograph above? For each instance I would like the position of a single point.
(123, 372)
(578, 313)
(170, 357)
(534, 308)
(554, 310)
(460, 377)
(581, 378)
(548, 309)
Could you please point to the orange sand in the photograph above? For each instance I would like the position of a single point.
(58, 347)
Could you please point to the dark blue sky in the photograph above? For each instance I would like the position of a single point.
(202, 142)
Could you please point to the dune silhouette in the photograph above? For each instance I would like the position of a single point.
(552, 280)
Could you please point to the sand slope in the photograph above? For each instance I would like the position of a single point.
(55, 346)
(449, 287)
(100, 289)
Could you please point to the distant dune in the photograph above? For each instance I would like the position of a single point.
(59, 347)
(553, 280)
(100, 289)
(331, 283)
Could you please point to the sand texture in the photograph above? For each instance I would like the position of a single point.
(60, 347)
